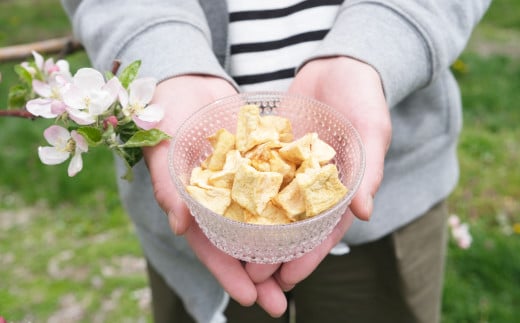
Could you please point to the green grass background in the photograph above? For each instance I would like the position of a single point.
(66, 244)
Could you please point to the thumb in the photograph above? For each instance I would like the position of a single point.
(179, 215)
(165, 191)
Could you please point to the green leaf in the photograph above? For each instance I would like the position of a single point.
(109, 75)
(129, 73)
(92, 135)
(145, 138)
(129, 161)
(133, 155)
(18, 96)
(24, 75)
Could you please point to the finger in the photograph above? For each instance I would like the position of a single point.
(260, 272)
(291, 273)
(286, 287)
(227, 270)
(375, 133)
(271, 298)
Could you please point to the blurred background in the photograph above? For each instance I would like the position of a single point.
(69, 254)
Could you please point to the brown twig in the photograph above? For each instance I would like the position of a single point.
(20, 113)
(115, 66)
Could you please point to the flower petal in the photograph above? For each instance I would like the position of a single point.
(58, 107)
(141, 91)
(62, 80)
(73, 97)
(75, 165)
(100, 101)
(49, 67)
(123, 98)
(113, 87)
(64, 68)
(52, 156)
(143, 124)
(152, 113)
(41, 108)
(80, 117)
(81, 143)
(88, 79)
(38, 60)
(57, 136)
(41, 88)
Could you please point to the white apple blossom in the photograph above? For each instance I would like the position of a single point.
(50, 103)
(460, 232)
(50, 80)
(63, 145)
(135, 103)
(88, 96)
(47, 68)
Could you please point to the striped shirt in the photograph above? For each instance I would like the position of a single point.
(270, 38)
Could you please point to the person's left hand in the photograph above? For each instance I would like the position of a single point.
(354, 89)
(181, 96)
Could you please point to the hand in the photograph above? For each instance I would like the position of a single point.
(180, 97)
(354, 89)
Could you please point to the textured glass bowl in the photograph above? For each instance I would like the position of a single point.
(255, 242)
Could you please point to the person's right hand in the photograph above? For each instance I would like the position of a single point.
(180, 97)
(354, 89)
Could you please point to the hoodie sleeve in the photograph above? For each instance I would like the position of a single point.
(408, 42)
(170, 37)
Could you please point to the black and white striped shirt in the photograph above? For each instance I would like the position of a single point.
(270, 38)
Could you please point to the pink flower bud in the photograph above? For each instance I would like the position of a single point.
(53, 68)
(111, 120)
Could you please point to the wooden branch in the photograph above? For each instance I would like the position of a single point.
(64, 45)
(20, 113)
(116, 64)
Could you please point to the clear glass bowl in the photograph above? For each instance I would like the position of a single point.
(255, 242)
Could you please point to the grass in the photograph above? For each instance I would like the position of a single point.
(69, 253)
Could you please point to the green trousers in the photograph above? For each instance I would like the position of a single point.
(397, 279)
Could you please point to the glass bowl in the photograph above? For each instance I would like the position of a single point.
(256, 242)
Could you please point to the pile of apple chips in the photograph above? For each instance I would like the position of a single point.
(262, 175)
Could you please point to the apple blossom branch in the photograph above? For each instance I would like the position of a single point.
(94, 109)
(23, 113)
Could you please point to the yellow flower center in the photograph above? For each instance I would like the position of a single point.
(70, 147)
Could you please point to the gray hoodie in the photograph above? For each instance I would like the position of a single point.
(410, 43)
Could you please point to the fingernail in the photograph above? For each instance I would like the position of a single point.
(172, 217)
(369, 206)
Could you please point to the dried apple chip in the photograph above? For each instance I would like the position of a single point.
(271, 215)
(280, 124)
(261, 176)
(321, 150)
(222, 142)
(298, 150)
(321, 189)
(253, 189)
(291, 200)
(214, 198)
(282, 166)
(199, 177)
(235, 212)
